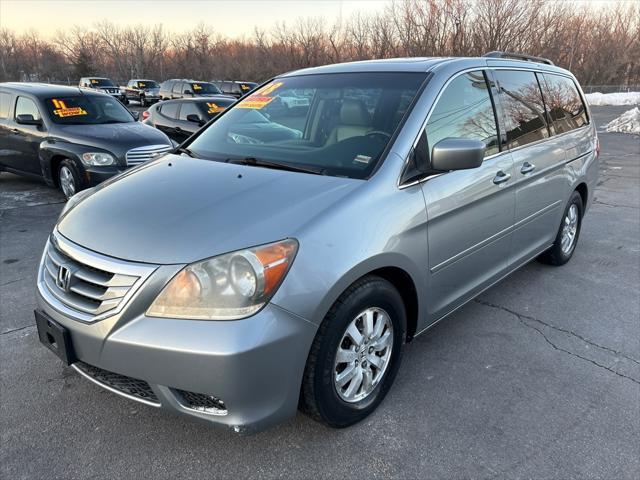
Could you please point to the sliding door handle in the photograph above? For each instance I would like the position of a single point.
(501, 177)
(527, 168)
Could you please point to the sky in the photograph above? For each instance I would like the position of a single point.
(229, 18)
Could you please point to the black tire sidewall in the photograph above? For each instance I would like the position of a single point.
(374, 293)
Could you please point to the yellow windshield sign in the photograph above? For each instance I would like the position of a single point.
(213, 108)
(62, 111)
(197, 87)
(260, 98)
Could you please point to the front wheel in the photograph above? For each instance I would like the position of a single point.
(68, 178)
(143, 101)
(567, 237)
(356, 354)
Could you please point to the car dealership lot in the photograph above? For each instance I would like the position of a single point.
(539, 377)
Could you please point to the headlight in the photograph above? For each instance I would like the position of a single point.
(97, 159)
(228, 287)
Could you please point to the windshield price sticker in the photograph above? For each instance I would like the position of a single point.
(197, 87)
(63, 111)
(244, 87)
(213, 108)
(260, 98)
(95, 81)
(141, 84)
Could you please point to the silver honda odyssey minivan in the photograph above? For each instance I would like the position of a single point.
(284, 254)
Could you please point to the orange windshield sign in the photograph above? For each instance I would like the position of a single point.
(260, 98)
(62, 111)
(213, 108)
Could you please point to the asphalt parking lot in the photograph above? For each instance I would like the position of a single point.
(537, 378)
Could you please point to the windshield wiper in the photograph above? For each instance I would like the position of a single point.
(257, 162)
(185, 151)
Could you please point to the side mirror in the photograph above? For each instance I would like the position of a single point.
(195, 118)
(27, 119)
(457, 154)
(188, 92)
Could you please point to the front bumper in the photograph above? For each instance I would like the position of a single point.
(254, 365)
(96, 175)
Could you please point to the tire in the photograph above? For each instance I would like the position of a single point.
(323, 396)
(143, 101)
(125, 100)
(560, 253)
(69, 180)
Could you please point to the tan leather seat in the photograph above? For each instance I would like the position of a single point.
(354, 121)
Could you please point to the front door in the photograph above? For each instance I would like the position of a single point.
(24, 140)
(470, 212)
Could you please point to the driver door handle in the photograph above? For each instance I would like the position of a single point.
(501, 177)
(527, 168)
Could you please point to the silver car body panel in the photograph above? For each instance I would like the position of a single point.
(453, 234)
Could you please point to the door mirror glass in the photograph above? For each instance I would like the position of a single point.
(192, 117)
(457, 154)
(27, 119)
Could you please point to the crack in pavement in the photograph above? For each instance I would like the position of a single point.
(12, 281)
(523, 319)
(6, 332)
(7, 208)
(600, 202)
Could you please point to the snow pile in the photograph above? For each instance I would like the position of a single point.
(620, 98)
(628, 122)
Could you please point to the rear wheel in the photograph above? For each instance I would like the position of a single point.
(567, 237)
(356, 354)
(68, 178)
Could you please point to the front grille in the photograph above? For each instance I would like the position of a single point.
(136, 156)
(202, 403)
(132, 387)
(82, 287)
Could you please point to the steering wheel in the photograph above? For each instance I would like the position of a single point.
(378, 133)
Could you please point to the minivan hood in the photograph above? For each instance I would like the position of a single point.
(179, 209)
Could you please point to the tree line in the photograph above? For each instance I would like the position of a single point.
(600, 45)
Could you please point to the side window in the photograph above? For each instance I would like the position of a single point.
(26, 106)
(5, 101)
(176, 87)
(524, 112)
(186, 87)
(169, 109)
(464, 110)
(189, 108)
(565, 107)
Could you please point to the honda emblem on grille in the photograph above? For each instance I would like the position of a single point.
(63, 281)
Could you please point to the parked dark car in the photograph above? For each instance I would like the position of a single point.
(179, 119)
(185, 88)
(142, 91)
(102, 84)
(233, 87)
(71, 137)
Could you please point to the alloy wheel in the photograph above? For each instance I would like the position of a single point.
(363, 355)
(569, 229)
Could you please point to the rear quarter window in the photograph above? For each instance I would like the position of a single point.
(564, 105)
(169, 110)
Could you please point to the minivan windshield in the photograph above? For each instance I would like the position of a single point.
(87, 110)
(337, 124)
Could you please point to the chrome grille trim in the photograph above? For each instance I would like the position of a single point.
(139, 155)
(99, 286)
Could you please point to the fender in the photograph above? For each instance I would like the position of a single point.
(53, 147)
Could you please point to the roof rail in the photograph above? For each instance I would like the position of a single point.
(517, 56)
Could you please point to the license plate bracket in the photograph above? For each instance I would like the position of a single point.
(55, 337)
